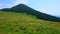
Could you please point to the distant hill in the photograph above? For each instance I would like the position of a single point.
(5, 9)
(21, 8)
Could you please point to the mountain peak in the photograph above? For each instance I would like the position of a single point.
(19, 5)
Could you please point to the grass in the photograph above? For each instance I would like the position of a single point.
(21, 23)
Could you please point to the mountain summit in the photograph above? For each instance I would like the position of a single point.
(21, 8)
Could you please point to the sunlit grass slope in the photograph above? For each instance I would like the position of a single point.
(21, 23)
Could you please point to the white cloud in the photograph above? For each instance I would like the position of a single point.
(9, 4)
(1, 6)
(18, 2)
(21, 1)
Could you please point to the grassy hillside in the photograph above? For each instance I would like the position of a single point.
(19, 23)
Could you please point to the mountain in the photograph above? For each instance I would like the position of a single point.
(5, 9)
(21, 8)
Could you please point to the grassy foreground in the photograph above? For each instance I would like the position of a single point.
(19, 23)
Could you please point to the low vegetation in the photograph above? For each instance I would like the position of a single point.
(21, 23)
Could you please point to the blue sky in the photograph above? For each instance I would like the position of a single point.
(51, 7)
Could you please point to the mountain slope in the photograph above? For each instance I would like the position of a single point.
(21, 8)
(20, 23)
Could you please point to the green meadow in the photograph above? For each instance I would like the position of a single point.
(21, 23)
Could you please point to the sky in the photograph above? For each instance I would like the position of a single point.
(51, 7)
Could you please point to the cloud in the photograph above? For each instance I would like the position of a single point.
(18, 2)
(12, 3)
(1, 6)
(21, 1)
